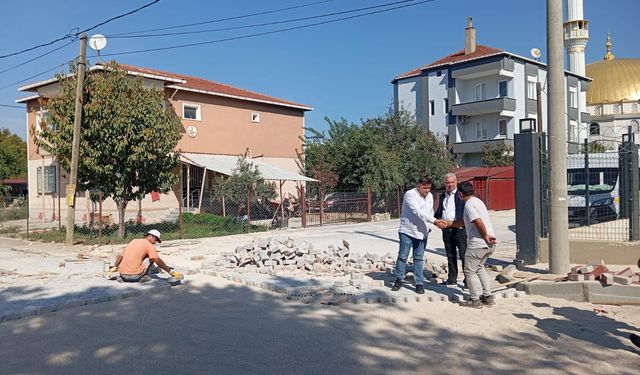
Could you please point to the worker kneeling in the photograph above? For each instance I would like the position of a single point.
(136, 259)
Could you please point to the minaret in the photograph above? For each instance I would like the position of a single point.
(576, 36)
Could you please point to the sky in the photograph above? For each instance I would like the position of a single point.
(342, 69)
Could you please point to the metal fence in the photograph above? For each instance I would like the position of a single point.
(198, 215)
(601, 189)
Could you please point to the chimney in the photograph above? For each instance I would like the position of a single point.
(469, 37)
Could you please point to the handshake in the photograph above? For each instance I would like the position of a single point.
(442, 224)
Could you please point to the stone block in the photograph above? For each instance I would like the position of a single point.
(625, 272)
(622, 280)
(599, 270)
(586, 269)
(576, 277)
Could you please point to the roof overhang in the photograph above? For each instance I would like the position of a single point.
(27, 98)
(225, 164)
(279, 104)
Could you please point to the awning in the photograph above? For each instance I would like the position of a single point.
(225, 164)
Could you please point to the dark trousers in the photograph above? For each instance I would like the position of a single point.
(454, 238)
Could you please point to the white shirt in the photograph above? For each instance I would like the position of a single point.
(474, 208)
(449, 206)
(417, 214)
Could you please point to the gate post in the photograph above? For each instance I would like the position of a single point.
(528, 196)
(629, 184)
(303, 207)
(369, 208)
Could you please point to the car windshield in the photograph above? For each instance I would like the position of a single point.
(599, 180)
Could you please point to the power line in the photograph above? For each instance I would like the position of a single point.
(262, 24)
(37, 75)
(73, 35)
(266, 32)
(222, 19)
(35, 58)
(12, 106)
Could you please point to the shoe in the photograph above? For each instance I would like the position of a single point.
(448, 283)
(476, 304)
(397, 285)
(420, 289)
(488, 300)
(635, 339)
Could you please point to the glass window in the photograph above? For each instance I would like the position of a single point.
(503, 89)
(502, 127)
(594, 128)
(481, 91)
(481, 130)
(573, 97)
(573, 131)
(49, 179)
(255, 117)
(191, 112)
(446, 105)
(531, 87)
(432, 107)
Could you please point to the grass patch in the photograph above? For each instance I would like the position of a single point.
(14, 213)
(194, 226)
(11, 231)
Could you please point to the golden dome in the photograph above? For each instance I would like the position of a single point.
(614, 80)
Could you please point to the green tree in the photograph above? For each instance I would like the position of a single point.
(382, 153)
(13, 158)
(245, 183)
(129, 134)
(500, 155)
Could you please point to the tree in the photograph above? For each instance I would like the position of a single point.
(129, 134)
(13, 158)
(500, 155)
(245, 185)
(382, 153)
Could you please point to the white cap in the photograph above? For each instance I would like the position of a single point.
(155, 233)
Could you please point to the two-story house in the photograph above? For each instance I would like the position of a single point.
(220, 123)
(479, 94)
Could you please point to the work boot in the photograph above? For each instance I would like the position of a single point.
(475, 303)
(420, 289)
(397, 285)
(487, 300)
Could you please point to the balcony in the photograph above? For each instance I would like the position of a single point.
(497, 105)
(474, 147)
(502, 68)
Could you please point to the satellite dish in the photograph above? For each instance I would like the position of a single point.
(536, 53)
(97, 42)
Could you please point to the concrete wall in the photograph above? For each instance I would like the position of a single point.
(408, 94)
(437, 93)
(586, 251)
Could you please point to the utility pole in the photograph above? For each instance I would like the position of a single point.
(557, 130)
(75, 151)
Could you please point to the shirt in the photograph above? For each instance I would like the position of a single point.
(417, 214)
(474, 208)
(134, 254)
(449, 206)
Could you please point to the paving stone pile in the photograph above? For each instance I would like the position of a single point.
(277, 254)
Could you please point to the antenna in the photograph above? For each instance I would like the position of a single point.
(97, 42)
(536, 53)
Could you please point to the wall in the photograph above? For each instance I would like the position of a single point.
(582, 252)
(437, 93)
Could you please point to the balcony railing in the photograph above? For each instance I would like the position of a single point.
(612, 109)
(481, 107)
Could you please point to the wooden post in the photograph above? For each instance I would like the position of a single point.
(204, 176)
(139, 215)
(539, 106)
(224, 207)
(249, 210)
(321, 202)
(100, 218)
(303, 208)
(181, 229)
(188, 187)
(281, 205)
(369, 208)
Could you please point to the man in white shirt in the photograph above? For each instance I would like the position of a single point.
(481, 242)
(417, 214)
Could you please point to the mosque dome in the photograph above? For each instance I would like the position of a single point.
(614, 80)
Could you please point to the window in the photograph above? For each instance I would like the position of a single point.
(49, 179)
(531, 87)
(594, 128)
(573, 131)
(432, 107)
(573, 97)
(439, 73)
(503, 89)
(481, 130)
(255, 117)
(191, 112)
(46, 117)
(502, 128)
(446, 105)
(481, 91)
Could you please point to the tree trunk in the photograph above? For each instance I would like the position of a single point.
(122, 206)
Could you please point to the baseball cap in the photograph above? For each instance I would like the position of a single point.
(155, 233)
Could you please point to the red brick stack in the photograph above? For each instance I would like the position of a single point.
(596, 270)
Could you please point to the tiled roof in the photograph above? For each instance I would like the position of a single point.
(213, 88)
(457, 57)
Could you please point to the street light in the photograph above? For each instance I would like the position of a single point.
(527, 125)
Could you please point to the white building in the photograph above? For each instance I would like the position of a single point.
(478, 95)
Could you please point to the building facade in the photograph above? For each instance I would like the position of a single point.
(217, 119)
(478, 95)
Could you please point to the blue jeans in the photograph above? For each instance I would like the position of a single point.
(406, 243)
